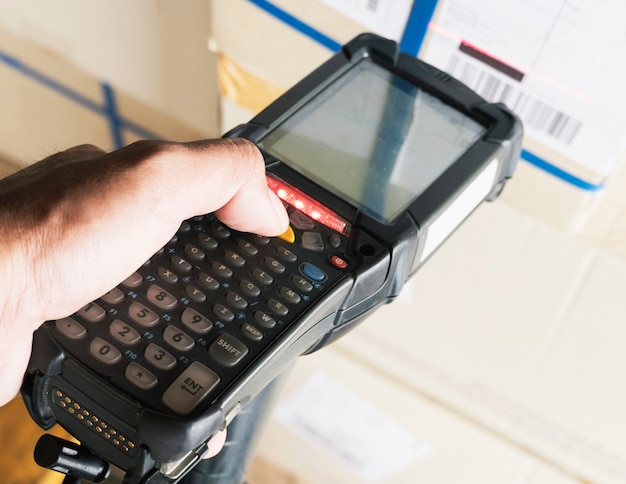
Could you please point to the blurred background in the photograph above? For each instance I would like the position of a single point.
(503, 360)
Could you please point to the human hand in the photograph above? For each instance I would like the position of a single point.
(77, 223)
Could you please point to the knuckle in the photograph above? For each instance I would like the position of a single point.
(148, 148)
(87, 147)
(248, 155)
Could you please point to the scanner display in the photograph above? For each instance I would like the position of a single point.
(374, 138)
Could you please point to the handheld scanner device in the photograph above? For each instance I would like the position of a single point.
(378, 158)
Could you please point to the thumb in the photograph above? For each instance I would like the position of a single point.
(257, 210)
(229, 180)
(250, 205)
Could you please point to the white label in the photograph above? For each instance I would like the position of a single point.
(571, 90)
(385, 17)
(349, 428)
(467, 201)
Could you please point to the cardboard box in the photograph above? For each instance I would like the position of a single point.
(338, 421)
(515, 324)
(518, 327)
(65, 84)
(504, 357)
(284, 41)
(154, 52)
(573, 160)
(553, 67)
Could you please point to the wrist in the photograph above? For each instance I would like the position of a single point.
(18, 300)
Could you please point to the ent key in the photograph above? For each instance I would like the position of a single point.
(190, 388)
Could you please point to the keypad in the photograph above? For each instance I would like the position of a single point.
(178, 330)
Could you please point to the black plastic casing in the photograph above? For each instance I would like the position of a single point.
(383, 257)
(394, 251)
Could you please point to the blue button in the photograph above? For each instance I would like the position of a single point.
(312, 272)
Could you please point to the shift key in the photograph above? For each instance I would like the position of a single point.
(190, 388)
(227, 350)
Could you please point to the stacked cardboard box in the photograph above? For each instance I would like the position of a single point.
(502, 360)
(512, 333)
(105, 74)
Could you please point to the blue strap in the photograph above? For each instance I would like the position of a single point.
(560, 173)
(51, 83)
(115, 123)
(417, 26)
(298, 24)
(108, 110)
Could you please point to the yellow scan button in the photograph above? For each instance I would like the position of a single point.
(288, 236)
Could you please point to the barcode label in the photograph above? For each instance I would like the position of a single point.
(533, 112)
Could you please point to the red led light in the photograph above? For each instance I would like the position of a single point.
(309, 206)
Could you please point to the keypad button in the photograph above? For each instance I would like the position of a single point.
(167, 275)
(338, 262)
(262, 277)
(70, 328)
(159, 358)
(301, 221)
(301, 283)
(236, 301)
(260, 240)
(142, 315)
(277, 307)
(195, 294)
(193, 253)
(140, 377)
(227, 350)
(234, 259)
(206, 242)
(289, 295)
(104, 351)
(251, 332)
(273, 265)
(178, 339)
(264, 319)
(312, 272)
(313, 241)
(92, 312)
(114, 296)
(190, 388)
(124, 333)
(180, 264)
(161, 298)
(334, 240)
(208, 282)
(286, 254)
(247, 248)
(288, 235)
(220, 231)
(196, 321)
(134, 280)
(223, 313)
(221, 270)
(249, 288)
